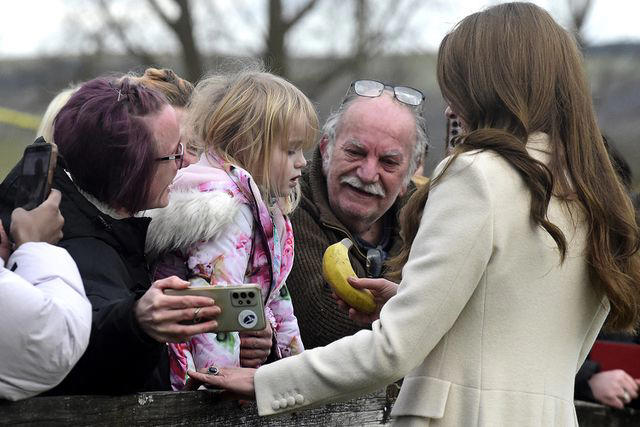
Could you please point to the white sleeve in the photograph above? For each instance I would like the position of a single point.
(45, 320)
(448, 258)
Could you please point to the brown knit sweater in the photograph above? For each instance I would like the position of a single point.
(315, 228)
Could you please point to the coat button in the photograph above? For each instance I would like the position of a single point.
(283, 403)
(275, 405)
(299, 398)
(291, 401)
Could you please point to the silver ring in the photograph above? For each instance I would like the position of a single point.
(213, 370)
(626, 397)
(196, 319)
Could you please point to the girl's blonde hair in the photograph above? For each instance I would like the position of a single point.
(241, 117)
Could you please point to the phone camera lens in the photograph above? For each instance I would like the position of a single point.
(243, 294)
(235, 295)
(251, 294)
(454, 124)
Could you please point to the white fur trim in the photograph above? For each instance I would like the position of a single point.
(191, 216)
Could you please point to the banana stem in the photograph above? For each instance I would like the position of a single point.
(347, 242)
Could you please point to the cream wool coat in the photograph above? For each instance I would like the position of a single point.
(487, 327)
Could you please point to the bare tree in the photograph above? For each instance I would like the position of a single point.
(374, 33)
(371, 34)
(275, 53)
(578, 11)
(183, 28)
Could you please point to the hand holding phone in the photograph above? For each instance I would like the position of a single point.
(242, 305)
(42, 224)
(36, 175)
(171, 319)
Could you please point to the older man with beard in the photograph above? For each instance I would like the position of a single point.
(354, 186)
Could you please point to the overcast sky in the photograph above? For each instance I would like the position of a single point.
(32, 27)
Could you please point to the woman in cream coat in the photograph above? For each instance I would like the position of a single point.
(526, 241)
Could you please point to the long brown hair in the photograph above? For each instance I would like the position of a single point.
(510, 71)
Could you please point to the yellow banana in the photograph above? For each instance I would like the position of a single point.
(336, 268)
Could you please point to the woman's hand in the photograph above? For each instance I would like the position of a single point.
(255, 347)
(614, 388)
(382, 290)
(42, 224)
(170, 318)
(238, 381)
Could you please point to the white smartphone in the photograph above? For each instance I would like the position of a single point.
(242, 307)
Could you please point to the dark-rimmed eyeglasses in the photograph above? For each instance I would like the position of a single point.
(177, 157)
(373, 88)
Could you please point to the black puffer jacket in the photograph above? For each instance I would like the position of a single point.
(109, 254)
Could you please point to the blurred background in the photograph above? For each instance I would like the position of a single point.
(320, 45)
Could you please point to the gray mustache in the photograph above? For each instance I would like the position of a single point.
(374, 188)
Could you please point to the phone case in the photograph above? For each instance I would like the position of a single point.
(36, 179)
(242, 307)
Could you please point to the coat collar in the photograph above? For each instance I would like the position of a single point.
(83, 219)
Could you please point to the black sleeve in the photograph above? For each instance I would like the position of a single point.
(120, 358)
(582, 389)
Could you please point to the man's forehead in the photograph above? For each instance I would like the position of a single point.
(384, 103)
(354, 142)
(381, 115)
(382, 110)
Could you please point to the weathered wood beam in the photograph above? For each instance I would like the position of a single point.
(204, 407)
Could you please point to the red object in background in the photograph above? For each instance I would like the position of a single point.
(617, 355)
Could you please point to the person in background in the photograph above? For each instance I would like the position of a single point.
(227, 218)
(526, 244)
(357, 180)
(178, 92)
(45, 129)
(45, 317)
(119, 146)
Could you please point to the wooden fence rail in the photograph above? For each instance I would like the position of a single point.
(206, 408)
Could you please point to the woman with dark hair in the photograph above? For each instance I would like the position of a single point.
(527, 242)
(119, 151)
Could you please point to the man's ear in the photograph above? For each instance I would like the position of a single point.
(324, 142)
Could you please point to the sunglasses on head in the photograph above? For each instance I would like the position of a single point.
(373, 88)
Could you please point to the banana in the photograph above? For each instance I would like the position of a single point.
(336, 267)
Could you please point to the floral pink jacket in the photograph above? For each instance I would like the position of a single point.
(252, 243)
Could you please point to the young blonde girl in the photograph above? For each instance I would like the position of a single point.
(227, 220)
